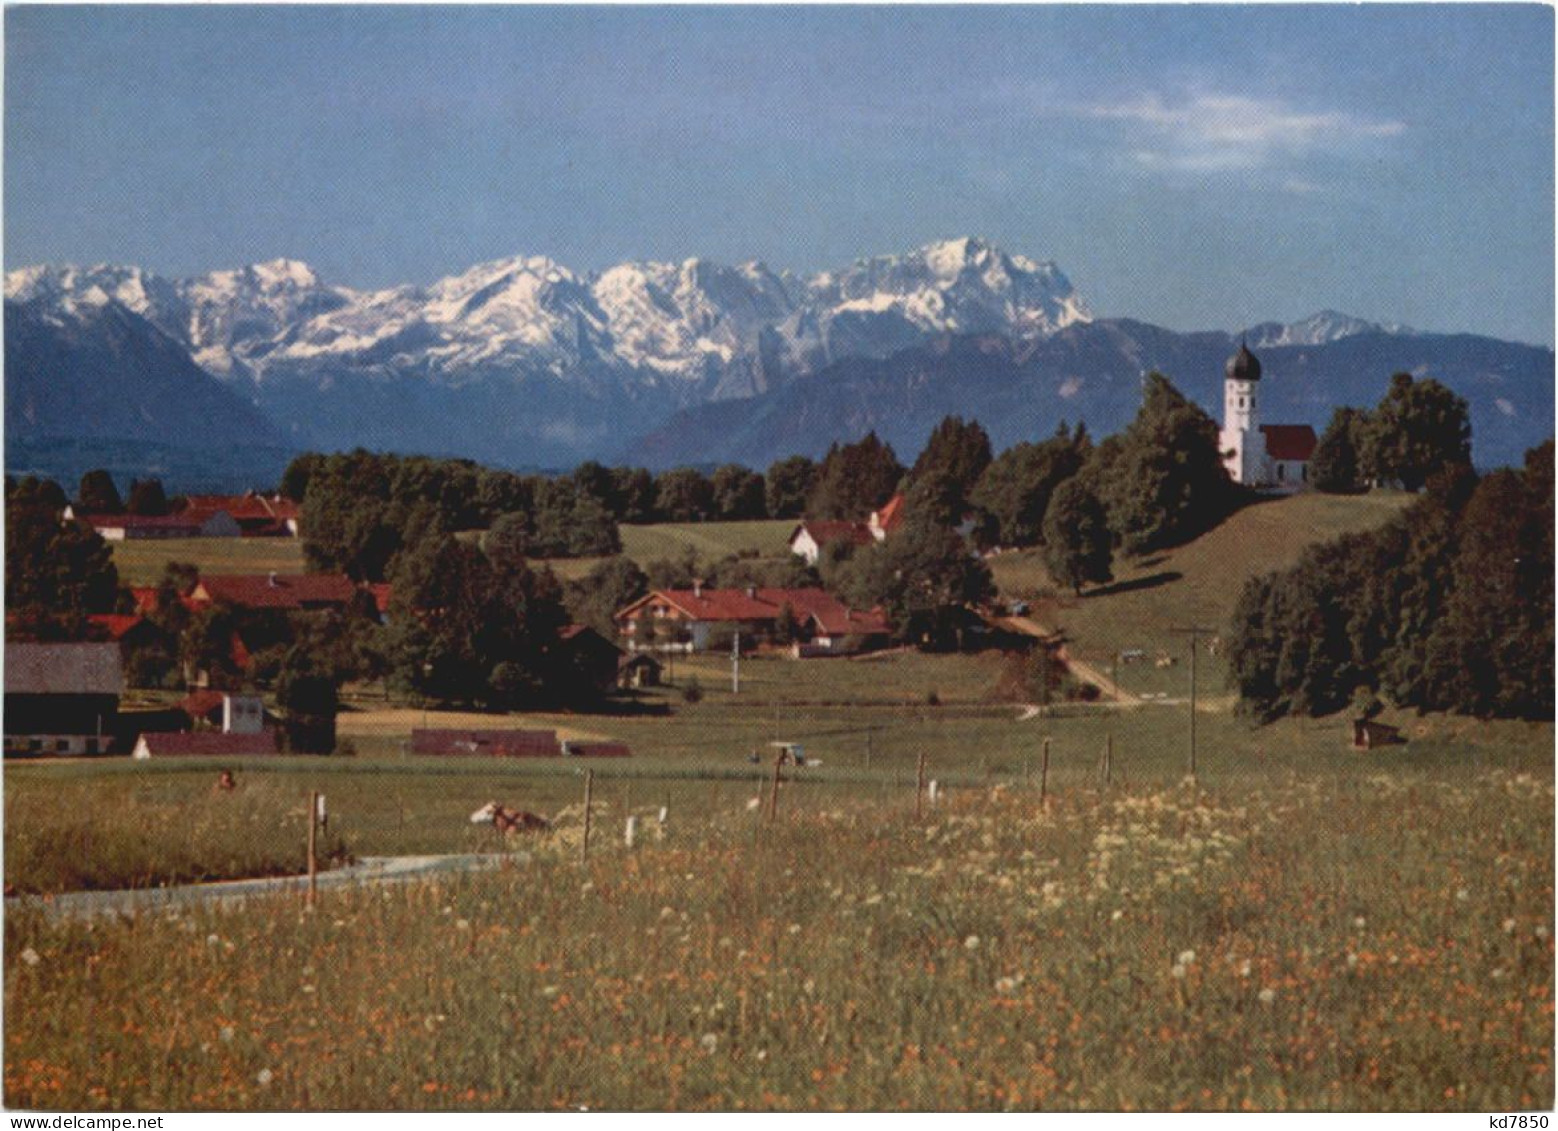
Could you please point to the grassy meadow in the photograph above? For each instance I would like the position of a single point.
(1289, 940)
(1306, 927)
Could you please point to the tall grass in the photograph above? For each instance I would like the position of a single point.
(1297, 944)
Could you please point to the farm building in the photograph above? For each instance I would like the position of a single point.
(61, 698)
(638, 669)
(204, 744)
(257, 515)
(229, 711)
(449, 743)
(687, 618)
(1367, 734)
(189, 523)
(297, 591)
(809, 538)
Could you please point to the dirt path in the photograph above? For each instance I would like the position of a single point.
(369, 870)
(1079, 668)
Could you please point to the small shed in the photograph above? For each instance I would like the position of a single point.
(1367, 734)
(638, 669)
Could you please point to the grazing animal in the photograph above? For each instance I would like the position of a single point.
(225, 783)
(507, 820)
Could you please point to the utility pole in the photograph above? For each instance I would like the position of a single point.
(1192, 631)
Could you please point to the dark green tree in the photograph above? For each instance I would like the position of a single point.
(310, 700)
(684, 494)
(738, 493)
(98, 495)
(956, 449)
(787, 484)
(596, 597)
(147, 497)
(1077, 542)
(1015, 489)
(1161, 480)
(56, 574)
(1420, 428)
(855, 479)
(1337, 464)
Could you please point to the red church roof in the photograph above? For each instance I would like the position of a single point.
(1289, 441)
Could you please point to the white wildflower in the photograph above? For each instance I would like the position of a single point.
(265, 1077)
(1117, 916)
(1462, 896)
(1360, 922)
(709, 1042)
(1509, 926)
(227, 1034)
(1267, 996)
(1352, 961)
(30, 956)
(971, 943)
(1244, 968)
(213, 940)
(1177, 971)
(462, 924)
(1187, 957)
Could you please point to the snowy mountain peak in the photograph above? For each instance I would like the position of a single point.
(1318, 329)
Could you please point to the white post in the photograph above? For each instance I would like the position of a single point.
(631, 832)
(935, 790)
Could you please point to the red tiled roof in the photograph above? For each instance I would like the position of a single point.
(381, 596)
(115, 623)
(827, 530)
(492, 743)
(277, 591)
(244, 508)
(184, 520)
(1289, 441)
(207, 742)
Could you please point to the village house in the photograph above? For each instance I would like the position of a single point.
(685, 619)
(1268, 456)
(61, 699)
(257, 516)
(811, 536)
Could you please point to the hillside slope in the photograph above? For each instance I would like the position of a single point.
(1194, 584)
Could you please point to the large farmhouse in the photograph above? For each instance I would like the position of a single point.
(688, 617)
(1269, 456)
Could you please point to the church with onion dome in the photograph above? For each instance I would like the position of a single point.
(1268, 456)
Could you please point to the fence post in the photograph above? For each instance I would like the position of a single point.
(313, 861)
(631, 832)
(589, 785)
(773, 795)
(1109, 760)
(1044, 773)
(919, 787)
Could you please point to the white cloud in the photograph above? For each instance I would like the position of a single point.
(1209, 131)
(1504, 406)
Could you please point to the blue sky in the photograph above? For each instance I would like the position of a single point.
(1198, 167)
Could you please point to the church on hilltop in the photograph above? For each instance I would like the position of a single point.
(1268, 456)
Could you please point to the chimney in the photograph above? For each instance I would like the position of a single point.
(272, 580)
(751, 592)
(697, 587)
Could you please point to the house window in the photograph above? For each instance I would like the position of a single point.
(62, 746)
(1281, 471)
(1303, 472)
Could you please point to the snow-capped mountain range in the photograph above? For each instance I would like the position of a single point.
(696, 327)
(524, 361)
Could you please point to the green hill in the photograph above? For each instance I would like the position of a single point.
(1194, 584)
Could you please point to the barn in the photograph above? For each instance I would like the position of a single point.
(61, 698)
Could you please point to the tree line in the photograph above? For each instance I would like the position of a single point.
(1449, 607)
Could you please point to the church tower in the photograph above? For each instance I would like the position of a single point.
(1242, 442)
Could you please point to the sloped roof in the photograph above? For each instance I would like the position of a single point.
(831, 614)
(890, 516)
(245, 508)
(63, 669)
(1289, 441)
(184, 520)
(277, 591)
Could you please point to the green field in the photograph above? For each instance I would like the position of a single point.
(1311, 930)
(141, 562)
(1305, 927)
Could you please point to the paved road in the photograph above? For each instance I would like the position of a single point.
(369, 870)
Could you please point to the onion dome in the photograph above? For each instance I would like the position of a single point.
(1243, 366)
